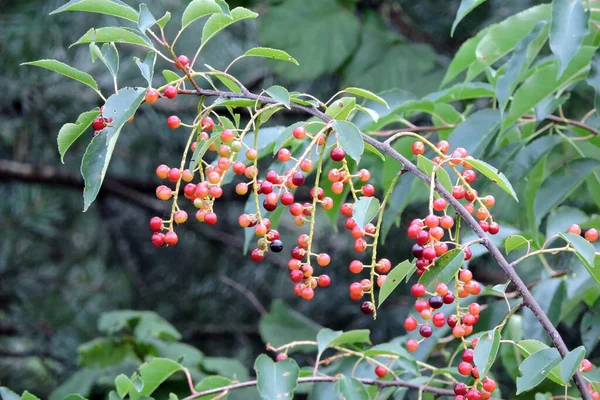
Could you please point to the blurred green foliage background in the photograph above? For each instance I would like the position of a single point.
(60, 268)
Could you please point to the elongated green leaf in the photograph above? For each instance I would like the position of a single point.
(569, 365)
(234, 102)
(279, 94)
(197, 9)
(170, 76)
(584, 250)
(201, 149)
(366, 94)
(349, 138)
(486, 351)
(153, 374)
(514, 242)
(536, 367)
(427, 166)
(164, 20)
(108, 55)
(463, 91)
(373, 150)
(217, 22)
(396, 275)
(492, 174)
(28, 396)
(559, 185)
(212, 382)
(146, 19)
(95, 162)
(370, 112)
(504, 36)
(466, 6)
(114, 34)
(476, 132)
(276, 381)
(66, 70)
(530, 156)
(267, 52)
(341, 108)
(365, 210)
(543, 82)
(349, 388)
(147, 66)
(123, 385)
(529, 347)
(327, 338)
(7, 394)
(224, 7)
(108, 7)
(593, 80)
(522, 57)
(69, 133)
(568, 26)
(464, 57)
(444, 269)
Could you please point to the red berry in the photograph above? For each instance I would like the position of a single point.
(171, 238)
(324, 280)
(158, 239)
(429, 253)
(473, 394)
(257, 255)
(98, 124)
(460, 389)
(151, 96)
(299, 132)
(383, 266)
(281, 357)
(465, 368)
(162, 171)
(156, 224)
(174, 174)
(586, 365)
(308, 293)
(410, 324)
(439, 319)
(591, 235)
(337, 154)
(425, 331)
(210, 218)
(489, 385)
(296, 275)
(574, 229)
(469, 175)
(439, 204)
(174, 122)
(418, 148)
(417, 290)
(380, 371)
(183, 61)
(494, 228)
(323, 260)
(170, 92)
(413, 231)
(467, 355)
(368, 190)
(298, 179)
(468, 254)
(443, 146)
(367, 307)
(207, 124)
(422, 237)
(412, 345)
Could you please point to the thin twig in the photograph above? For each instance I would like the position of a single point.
(249, 295)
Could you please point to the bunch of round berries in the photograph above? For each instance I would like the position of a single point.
(587, 366)
(467, 368)
(359, 289)
(591, 235)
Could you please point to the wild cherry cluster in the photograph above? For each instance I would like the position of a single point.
(587, 366)
(590, 235)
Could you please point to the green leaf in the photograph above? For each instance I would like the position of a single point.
(234, 102)
(69, 133)
(466, 6)
(145, 325)
(593, 80)
(280, 95)
(486, 351)
(463, 91)
(103, 352)
(267, 52)
(464, 57)
(283, 325)
(276, 381)
(28, 396)
(197, 9)
(188, 356)
(349, 388)
(108, 55)
(531, 155)
(523, 55)
(228, 367)
(341, 108)
(559, 185)
(7, 394)
(373, 150)
(370, 112)
(326, 22)
(114, 34)
(224, 7)
(366, 94)
(536, 367)
(427, 166)
(568, 26)
(543, 82)
(584, 250)
(492, 174)
(146, 19)
(234, 87)
(75, 397)
(95, 162)
(590, 329)
(529, 347)
(80, 382)
(212, 382)
(108, 7)
(504, 36)
(444, 269)
(515, 242)
(217, 22)
(66, 70)
(170, 76)
(327, 338)
(147, 67)
(153, 374)
(164, 20)
(569, 365)
(476, 132)
(349, 138)
(365, 209)
(201, 150)
(123, 385)
(396, 275)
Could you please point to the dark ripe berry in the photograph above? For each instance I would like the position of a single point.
(380, 371)
(367, 307)
(156, 224)
(436, 302)
(276, 246)
(287, 199)
(210, 218)
(207, 124)
(417, 290)
(266, 187)
(484, 225)
(158, 239)
(170, 92)
(468, 254)
(489, 385)
(410, 324)
(439, 204)
(422, 237)
(183, 61)
(422, 263)
(98, 124)
(298, 253)
(429, 253)
(452, 320)
(298, 179)
(460, 389)
(368, 190)
(448, 298)
(418, 148)
(417, 250)
(257, 255)
(425, 331)
(337, 154)
(494, 228)
(174, 122)
(296, 275)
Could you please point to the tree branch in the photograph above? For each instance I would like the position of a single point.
(372, 382)
(528, 299)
